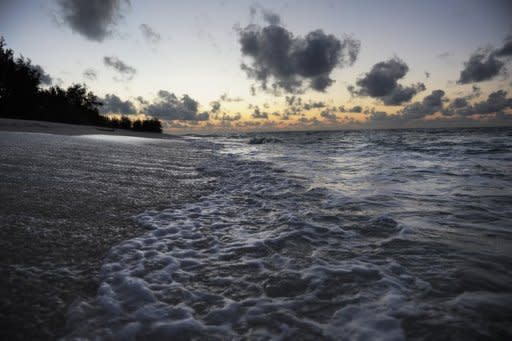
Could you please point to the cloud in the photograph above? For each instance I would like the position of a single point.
(45, 78)
(270, 17)
(291, 100)
(496, 108)
(506, 49)
(267, 15)
(141, 100)
(428, 106)
(356, 109)
(281, 61)
(168, 106)
(486, 64)
(381, 116)
(443, 55)
(225, 98)
(149, 34)
(382, 83)
(328, 115)
(401, 94)
(215, 106)
(257, 114)
(313, 121)
(114, 105)
(94, 19)
(481, 66)
(314, 105)
(90, 74)
(231, 118)
(496, 103)
(120, 66)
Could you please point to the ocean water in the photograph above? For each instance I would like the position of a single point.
(358, 235)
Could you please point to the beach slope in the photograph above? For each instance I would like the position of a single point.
(69, 193)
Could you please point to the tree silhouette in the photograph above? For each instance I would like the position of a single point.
(22, 98)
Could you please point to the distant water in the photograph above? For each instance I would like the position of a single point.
(360, 235)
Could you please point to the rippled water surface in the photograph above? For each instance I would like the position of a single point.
(382, 235)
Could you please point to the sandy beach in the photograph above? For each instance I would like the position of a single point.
(66, 200)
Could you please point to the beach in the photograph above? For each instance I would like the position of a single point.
(377, 235)
(68, 196)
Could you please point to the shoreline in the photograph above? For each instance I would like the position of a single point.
(67, 201)
(57, 128)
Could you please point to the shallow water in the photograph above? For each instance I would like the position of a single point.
(381, 235)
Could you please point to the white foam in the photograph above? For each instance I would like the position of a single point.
(119, 138)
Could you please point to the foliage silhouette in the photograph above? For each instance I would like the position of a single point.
(22, 98)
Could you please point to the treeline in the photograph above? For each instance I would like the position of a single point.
(21, 97)
(124, 122)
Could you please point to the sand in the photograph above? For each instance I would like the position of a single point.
(65, 201)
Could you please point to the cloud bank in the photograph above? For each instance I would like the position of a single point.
(112, 104)
(168, 106)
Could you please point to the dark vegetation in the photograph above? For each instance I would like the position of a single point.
(21, 97)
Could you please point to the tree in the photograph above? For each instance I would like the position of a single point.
(21, 97)
(19, 82)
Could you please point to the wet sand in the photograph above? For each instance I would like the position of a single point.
(65, 201)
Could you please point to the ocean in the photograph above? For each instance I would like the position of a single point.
(347, 235)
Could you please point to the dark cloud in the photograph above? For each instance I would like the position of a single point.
(94, 19)
(496, 103)
(215, 106)
(90, 74)
(328, 115)
(430, 105)
(496, 108)
(120, 66)
(459, 102)
(382, 83)
(141, 100)
(149, 34)
(231, 118)
(486, 64)
(382, 78)
(314, 105)
(267, 15)
(506, 49)
(481, 66)
(168, 106)
(309, 121)
(270, 17)
(291, 100)
(45, 78)
(381, 116)
(225, 98)
(281, 61)
(356, 109)
(257, 114)
(113, 104)
(401, 94)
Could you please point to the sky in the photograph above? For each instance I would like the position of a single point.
(234, 65)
